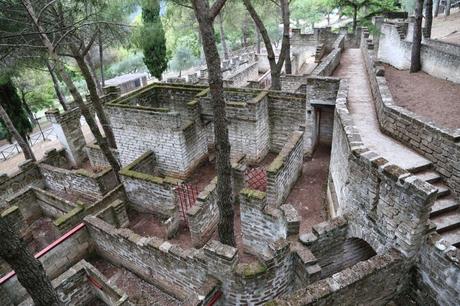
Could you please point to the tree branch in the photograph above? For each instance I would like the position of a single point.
(216, 7)
(90, 44)
(263, 31)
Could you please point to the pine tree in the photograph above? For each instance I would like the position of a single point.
(12, 104)
(152, 39)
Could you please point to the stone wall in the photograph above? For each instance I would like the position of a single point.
(75, 216)
(286, 115)
(96, 157)
(82, 284)
(78, 182)
(203, 216)
(262, 223)
(389, 207)
(115, 214)
(357, 285)
(68, 130)
(332, 60)
(148, 192)
(166, 265)
(319, 36)
(14, 218)
(335, 251)
(248, 125)
(292, 83)
(66, 252)
(321, 95)
(437, 277)
(27, 204)
(298, 58)
(439, 59)
(328, 64)
(260, 281)
(440, 145)
(28, 175)
(283, 172)
(34, 202)
(183, 272)
(242, 76)
(178, 139)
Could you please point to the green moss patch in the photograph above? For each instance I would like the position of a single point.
(9, 210)
(252, 193)
(64, 218)
(276, 164)
(251, 270)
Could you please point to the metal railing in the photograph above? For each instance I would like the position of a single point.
(9, 151)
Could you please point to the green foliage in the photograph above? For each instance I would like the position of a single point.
(366, 9)
(11, 102)
(36, 89)
(129, 64)
(311, 11)
(183, 59)
(408, 5)
(151, 39)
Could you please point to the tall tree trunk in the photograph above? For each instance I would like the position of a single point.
(29, 270)
(257, 38)
(245, 31)
(429, 17)
(436, 7)
(57, 88)
(275, 68)
(287, 25)
(224, 169)
(26, 107)
(95, 100)
(355, 18)
(101, 60)
(447, 9)
(222, 36)
(92, 70)
(74, 92)
(416, 64)
(26, 150)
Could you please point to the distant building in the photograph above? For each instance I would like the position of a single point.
(128, 82)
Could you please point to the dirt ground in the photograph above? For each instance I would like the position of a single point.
(308, 195)
(43, 234)
(150, 225)
(447, 28)
(203, 175)
(430, 97)
(139, 291)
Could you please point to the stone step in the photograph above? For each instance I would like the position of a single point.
(447, 221)
(429, 176)
(453, 237)
(443, 205)
(420, 167)
(443, 190)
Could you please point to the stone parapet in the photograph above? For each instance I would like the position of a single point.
(439, 145)
(389, 206)
(78, 182)
(285, 169)
(148, 192)
(261, 223)
(203, 216)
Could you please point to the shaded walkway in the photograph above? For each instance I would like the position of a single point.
(361, 106)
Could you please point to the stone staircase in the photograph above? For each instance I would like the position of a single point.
(445, 213)
(402, 30)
